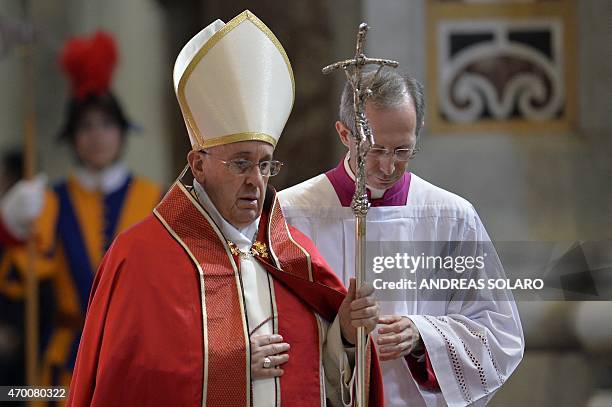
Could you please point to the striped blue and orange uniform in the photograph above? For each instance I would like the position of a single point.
(86, 223)
(14, 264)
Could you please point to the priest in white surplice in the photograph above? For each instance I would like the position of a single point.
(454, 352)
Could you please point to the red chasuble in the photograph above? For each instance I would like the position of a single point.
(166, 322)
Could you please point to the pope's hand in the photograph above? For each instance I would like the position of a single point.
(271, 347)
(397, 337)
(358, 310)
(22, 204)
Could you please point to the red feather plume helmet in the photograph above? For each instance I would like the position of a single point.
(89, 64)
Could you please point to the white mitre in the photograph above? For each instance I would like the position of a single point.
(234, 83)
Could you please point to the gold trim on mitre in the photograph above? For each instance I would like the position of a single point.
(233, 138)
(206, 47)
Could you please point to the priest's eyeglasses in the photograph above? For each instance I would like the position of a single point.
(240, 166)
(399, 154)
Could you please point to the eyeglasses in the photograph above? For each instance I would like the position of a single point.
(399, 154)
(240, 166)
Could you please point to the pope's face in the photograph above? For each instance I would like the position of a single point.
(238, 197)
(393, 127)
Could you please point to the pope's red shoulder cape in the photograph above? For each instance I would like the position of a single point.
(166, 323)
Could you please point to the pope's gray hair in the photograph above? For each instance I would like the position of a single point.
(389, 89)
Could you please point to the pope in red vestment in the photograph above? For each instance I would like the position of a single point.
(166, 321)
(214, 300)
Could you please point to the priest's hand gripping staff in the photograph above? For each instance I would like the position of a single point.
(364, 139)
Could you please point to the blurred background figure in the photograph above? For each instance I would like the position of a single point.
(100, 198)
